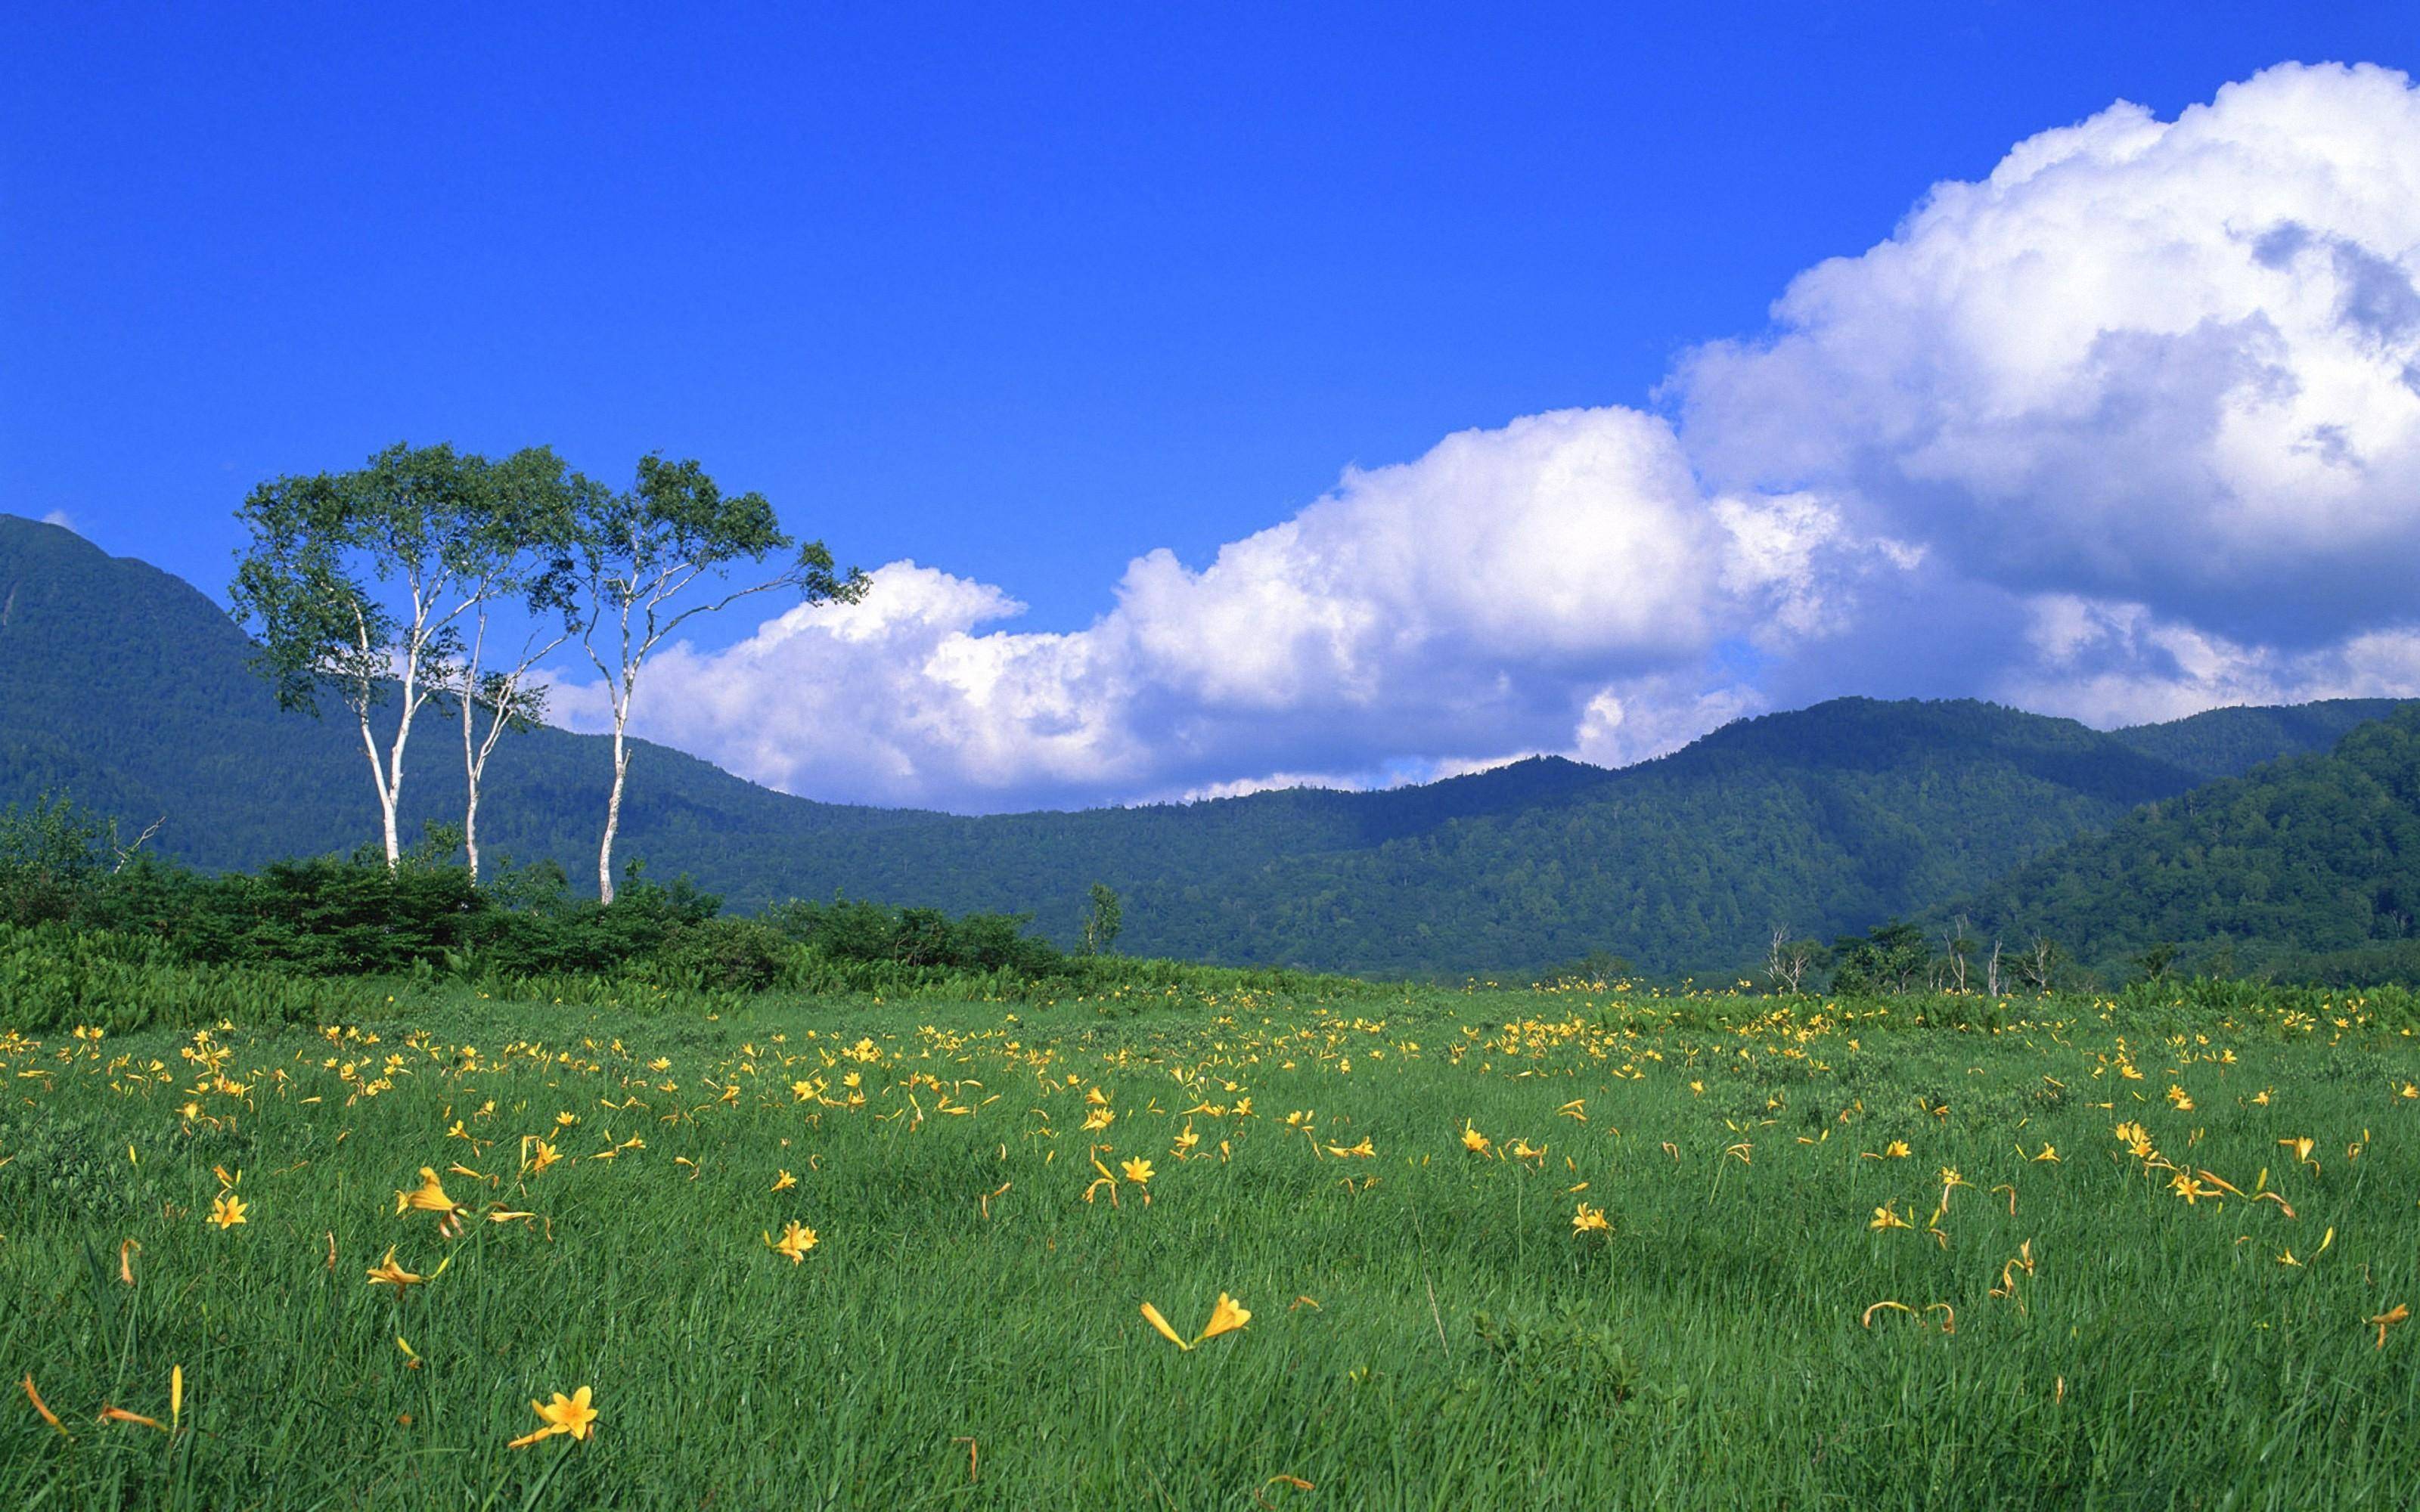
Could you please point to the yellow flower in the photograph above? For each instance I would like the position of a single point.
(1884, 1218)
(1186, 1140)
(566, 1415)
(1472, 1140)
(1151, 1315)
(44, 1408)
(2188, 1189)
(387, 1273)
(797, 1239)
(1227, 1316)
(176, 1395)
(1138, 1171)
(227, 1210)
(2301, 1147)
(1364, 1151)
(430, 1198)
(1100, 1119)
(1896, 1149)
(2388, 1320)
(784, 1181)
(542, 1155)
(1589, 1220)
(2049, 1153)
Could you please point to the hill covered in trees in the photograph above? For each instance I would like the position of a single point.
(2308, 868)
(133, 691)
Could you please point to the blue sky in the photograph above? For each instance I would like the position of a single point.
(1019, 297)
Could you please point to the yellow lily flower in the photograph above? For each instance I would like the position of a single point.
(570, 1414)
(430, 1198)
(1151, 1315)
(797, 1239)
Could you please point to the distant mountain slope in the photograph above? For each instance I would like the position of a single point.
(2310, 865)
(130, 688)
(2230, 742)
(127, 686)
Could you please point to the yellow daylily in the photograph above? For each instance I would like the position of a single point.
(227, 1210)
(1226, 1316)
(44, 1408)
(2388, 1320)
(570, 1414)
(387, 1273)
(429, 1198)
(1472, 1140)
(797, 1239)
(1136, 1170)
(1884, 1218)
(1589, 1220)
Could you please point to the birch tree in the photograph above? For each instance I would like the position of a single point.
(319, 546)
(642, 552)
(519, 552)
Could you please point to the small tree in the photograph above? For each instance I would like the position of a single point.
(1102, 920)
(1957, 950)
(1887, 959)
(521, 545)
(408, 523)
(2036, 965)
(639, 552)
(1788, 962)
(2154, 963)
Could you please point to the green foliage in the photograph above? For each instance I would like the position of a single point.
(53, 977)
(1890, 959)
(1102, 920)
(2307, 868)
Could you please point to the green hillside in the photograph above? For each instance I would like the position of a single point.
(2308, 867)
(131, 689)
(2230, 742)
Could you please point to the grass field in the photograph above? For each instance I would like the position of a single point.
(2180, 1314)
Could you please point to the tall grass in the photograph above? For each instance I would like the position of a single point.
(1428, 1328)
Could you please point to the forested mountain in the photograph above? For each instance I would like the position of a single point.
(2308, 867)
(130, 689)
(2230, 742)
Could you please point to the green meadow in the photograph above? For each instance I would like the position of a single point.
(1581, 1248)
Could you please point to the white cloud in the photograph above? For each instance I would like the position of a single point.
(61, 518)
(2177, 362)
(2129, 428)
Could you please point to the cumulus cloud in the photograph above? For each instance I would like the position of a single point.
(2128, 428)
(2175, 362)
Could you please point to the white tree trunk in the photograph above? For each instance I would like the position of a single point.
(385, 793)
(471, 809)
(612, 807)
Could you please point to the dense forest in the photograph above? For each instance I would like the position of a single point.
(2306, 869)
(135, 693)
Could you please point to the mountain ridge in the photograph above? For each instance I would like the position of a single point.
(131, 688)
